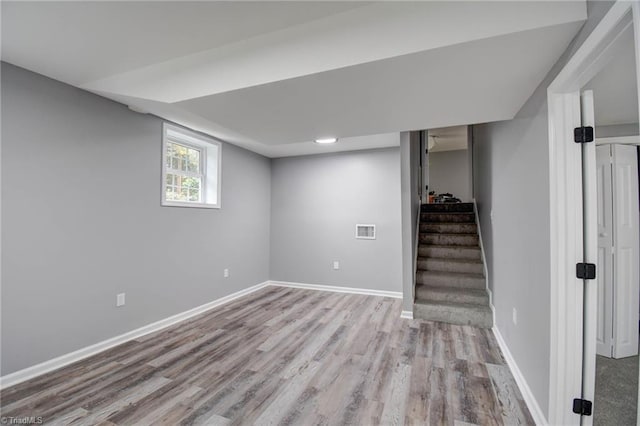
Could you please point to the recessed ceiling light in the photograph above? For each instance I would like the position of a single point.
(326, 140)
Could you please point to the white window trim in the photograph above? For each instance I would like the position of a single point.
(210, 178)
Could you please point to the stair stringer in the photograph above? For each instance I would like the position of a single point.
(484, 260)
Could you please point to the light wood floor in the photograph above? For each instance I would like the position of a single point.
(286, 356)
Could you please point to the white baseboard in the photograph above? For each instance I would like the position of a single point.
(336, 289)
(529, 399)
(407, 314)
(61, 361)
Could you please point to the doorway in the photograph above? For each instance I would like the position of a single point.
(448, 171)
(616, 377)
(574, 219)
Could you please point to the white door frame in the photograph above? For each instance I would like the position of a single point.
(566, 217)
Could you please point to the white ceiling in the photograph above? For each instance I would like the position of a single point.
(273, 76)
(615, 87)
(82, 41)
(448, 139)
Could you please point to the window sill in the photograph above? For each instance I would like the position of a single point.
(190, 205)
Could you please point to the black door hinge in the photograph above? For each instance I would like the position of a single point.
(586, 271)
(583, 134)
(582, 407)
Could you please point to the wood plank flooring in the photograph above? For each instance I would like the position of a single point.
(285, 356)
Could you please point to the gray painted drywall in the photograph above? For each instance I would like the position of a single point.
(82, 221)
(410, 188)
(449, 171)
(317, 202)
(511, 184)
(617, 130)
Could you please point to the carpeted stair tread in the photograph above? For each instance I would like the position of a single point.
(467, 240)
(451, 279)
(426, 293)
(447, 217)
(446, 246)
(450, 234)
(447, 207)
(449, 252)
(449, 228)
(456, 274)
(450, 265)
(478, 261)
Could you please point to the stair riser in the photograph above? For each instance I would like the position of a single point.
(453, 315)
(427, 278)
(424, 293)
(448, 207)
(449, 228)
(444, 266)
(466, 253)
(448, 217)
(449, 240)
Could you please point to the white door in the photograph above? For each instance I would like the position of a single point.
(604, 275)
(626, 240)
(618, 251)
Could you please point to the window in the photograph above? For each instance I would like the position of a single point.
(190, 169)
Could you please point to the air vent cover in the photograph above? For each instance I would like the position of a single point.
(365, 232)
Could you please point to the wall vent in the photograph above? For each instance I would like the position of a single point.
(365, 232)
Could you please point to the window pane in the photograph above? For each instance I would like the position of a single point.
(169, 192)
(194, 161)
(183, 188)
(183, 158)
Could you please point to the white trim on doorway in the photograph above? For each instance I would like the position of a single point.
(566, 213)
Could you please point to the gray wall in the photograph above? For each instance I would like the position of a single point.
(617, 130)
(410, 187)
(82, 221)
(316, 203)
(511, 183)
(449, 172)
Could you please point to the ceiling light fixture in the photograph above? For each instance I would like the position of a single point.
(326, 140)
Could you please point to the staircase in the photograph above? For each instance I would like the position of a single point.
(450, 281)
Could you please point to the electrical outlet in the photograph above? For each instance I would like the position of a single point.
(336, 265)
(515, 316)
(226, 273)
(120, 299)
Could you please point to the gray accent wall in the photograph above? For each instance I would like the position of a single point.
(82, 221)
(511, 184)
(449, 171)
(317, 202)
